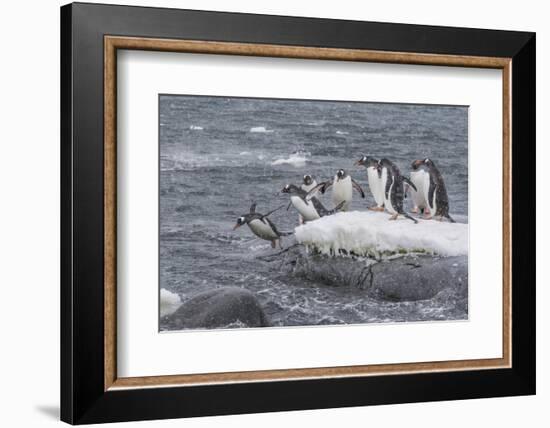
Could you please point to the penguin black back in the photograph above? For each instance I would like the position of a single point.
(438, 190)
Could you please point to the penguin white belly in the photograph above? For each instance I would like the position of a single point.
(307, 210)
(419, 195)
(387, 195)
(342, 192)
(263, 230)
(308, 188)
(433, 206)
(375, 186)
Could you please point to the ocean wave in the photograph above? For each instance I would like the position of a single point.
(296, 159)
(169, 302)
(196, 128)
(261, 130)
(338, 132)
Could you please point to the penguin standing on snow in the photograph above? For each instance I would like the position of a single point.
(437, 192)
(392, 182)
(261, 226)
(342, 189)
(309, 207)
(420, 177)
(374, 178)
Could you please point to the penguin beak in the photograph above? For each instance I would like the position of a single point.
(236, 226)
(357, 163)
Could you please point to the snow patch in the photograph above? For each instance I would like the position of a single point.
(369, 233)
(169, 302)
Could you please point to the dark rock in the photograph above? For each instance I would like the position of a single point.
(421, 278)
(218, 308)
(407, 278)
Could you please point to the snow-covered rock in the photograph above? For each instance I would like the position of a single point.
(373, 234)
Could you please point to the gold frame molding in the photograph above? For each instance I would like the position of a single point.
(113, 43)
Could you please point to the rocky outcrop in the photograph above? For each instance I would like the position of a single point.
(406, 278)
(420, 278)
(227, 307)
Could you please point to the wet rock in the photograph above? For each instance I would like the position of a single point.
(225, 307)
(420, 278)
(407, 278)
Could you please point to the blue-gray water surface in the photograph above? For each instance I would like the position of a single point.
(218, 155)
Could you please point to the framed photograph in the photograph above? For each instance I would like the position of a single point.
(265, 213)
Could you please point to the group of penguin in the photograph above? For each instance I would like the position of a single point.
(387, 185)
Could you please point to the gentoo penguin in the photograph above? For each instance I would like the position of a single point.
(420, 177)
(309, 207)
(375, 181)
(261, 226)
(392, 182)
(308, 183)
(437, 192)
(342, 189)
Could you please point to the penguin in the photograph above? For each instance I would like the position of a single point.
(420, 177)
(342, 189)
(375, 181)
(309, 207)
(261, 226)
(308, 183)
(437, 192)
(392, 182)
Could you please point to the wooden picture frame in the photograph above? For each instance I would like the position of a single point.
(91, 390)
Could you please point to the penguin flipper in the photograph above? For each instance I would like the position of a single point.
(452, 220)
(409, 182)
(338, 207)
(321, 187)
(253, 208)
(272, 211)
(357, 187)
(270, 223)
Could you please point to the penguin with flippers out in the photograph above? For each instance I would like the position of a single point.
(392, 182)
(262, 226)
(342, 189)
(437, 198)
(309, 207)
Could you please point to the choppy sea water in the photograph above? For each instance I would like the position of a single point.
(218, 155)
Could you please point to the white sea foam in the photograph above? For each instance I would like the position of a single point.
(368, 233)
(196, 128)
(342, 132)
(260, 129)
(244, 153)
(296, 159)
(169, 302)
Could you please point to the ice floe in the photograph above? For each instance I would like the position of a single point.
(370, 233)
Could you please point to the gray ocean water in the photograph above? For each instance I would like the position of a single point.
(218, 155)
